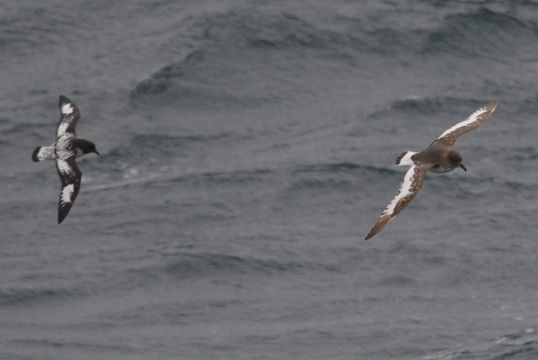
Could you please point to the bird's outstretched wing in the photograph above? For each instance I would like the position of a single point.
(43, 153)
(70, 176)
(450, 136)
(69, 115)
(411, 184)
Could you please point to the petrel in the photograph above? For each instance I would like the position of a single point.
(439, 157)
(65, 150)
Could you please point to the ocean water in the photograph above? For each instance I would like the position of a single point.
(247, 147)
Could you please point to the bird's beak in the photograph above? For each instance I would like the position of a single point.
(97, 153)
(463, 167)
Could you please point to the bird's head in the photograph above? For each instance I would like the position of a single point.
(86, 146)
(455, 160)
(90, 148)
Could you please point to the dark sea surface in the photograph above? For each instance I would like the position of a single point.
(247, 147)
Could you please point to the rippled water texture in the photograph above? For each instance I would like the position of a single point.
(247, 149)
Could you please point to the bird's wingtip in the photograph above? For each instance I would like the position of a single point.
(61, 217)
(64, 99)
(492, 104)
(35, 158)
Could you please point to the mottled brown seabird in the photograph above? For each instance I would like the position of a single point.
(439, 157)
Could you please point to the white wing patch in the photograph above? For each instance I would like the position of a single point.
(45, 153)
(70, 176)
(67, 109)
(64, 168)
(62, 128)
(69, 117)
(67, 193)
(405, 190)
(465, 122)
(406, 159)
(411, 184)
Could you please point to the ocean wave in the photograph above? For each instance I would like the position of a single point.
(189, 86)
(28, 129)
(135, 162)
(230, 177)
(280, 30)
(527, 106)
(318, 184)
(235, 50)
(518, 346)
(427, 106)
(344, 181)
(479, 34)
(342, 167)
(135, 173)
(161, 81)
(519, 154)
(339, 176)
(25, 296)
(205, 264)
(33, 28)
(232, 52)
(168, 145)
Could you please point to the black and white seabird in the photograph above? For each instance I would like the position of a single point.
(65, 150)
(439, 156)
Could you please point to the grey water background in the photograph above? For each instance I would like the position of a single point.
(247, 148)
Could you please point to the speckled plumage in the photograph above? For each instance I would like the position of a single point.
(439, 156)
(65, 150)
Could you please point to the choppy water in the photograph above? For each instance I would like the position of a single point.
(247, 148)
